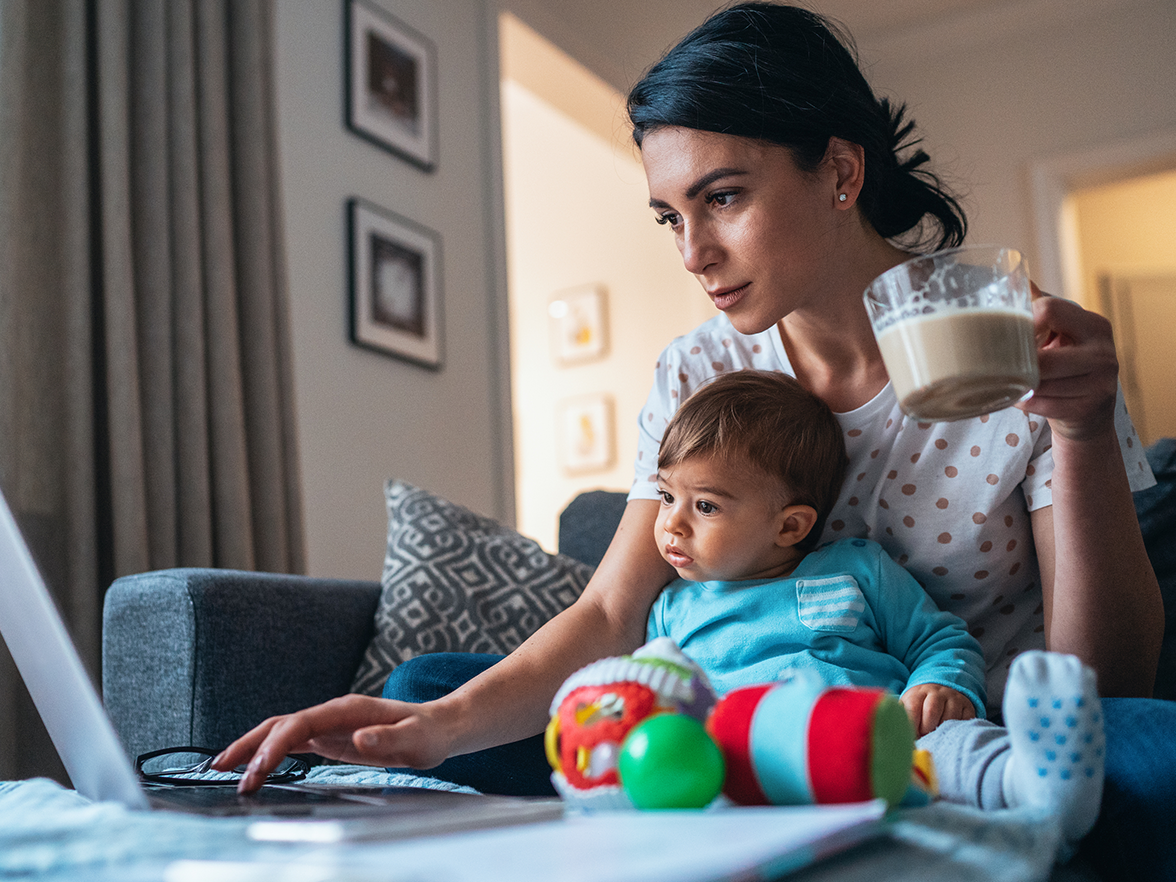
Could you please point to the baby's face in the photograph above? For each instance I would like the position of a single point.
(719, 522)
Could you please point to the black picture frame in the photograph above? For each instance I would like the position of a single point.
(395, 282)
(391, 84)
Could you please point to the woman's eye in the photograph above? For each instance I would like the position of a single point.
(721, 198)
(706, 507)
(668, 218)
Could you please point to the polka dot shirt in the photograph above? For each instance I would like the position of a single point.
(948, 501)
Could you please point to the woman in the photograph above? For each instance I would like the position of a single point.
(788, 187)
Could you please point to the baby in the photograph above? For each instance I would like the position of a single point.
(748, 470)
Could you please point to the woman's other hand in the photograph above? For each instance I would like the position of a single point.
(1079, 369)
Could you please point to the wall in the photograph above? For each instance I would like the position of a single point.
(578, 214)
(364, 417)
(1060, 78)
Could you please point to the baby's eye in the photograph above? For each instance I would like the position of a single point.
(706, 507)
(666, 498)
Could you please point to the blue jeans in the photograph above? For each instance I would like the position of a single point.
(517, 769)
(1132, 839)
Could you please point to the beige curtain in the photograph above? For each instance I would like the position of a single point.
(146, 408)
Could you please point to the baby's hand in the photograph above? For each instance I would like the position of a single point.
(929, 704)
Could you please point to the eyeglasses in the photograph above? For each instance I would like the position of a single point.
(192, 766)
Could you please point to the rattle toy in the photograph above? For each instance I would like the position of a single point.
(646, 731)
(601, 704)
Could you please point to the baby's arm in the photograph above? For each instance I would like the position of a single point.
(934, 645)
(929, 704)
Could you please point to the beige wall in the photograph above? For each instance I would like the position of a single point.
(577, 214)
(364, 417)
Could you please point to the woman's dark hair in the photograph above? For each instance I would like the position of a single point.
(789, 76)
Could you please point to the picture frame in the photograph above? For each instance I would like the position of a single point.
(579, 324)
(585, 433)
(395, 281)
(391, 84)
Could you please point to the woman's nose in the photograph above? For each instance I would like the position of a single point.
(698, 248)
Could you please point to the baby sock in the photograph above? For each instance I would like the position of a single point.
(1055, 725)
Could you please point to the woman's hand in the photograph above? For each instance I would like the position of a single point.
(353, 728)
(1079, 369)
(929, 704)
(508, 701)
(1100, 596)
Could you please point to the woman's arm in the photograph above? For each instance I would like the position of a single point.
(507, 702)
(1102, 600)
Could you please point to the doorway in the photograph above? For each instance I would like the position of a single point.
(1126, 236)
(595, 287)
(1106, 234)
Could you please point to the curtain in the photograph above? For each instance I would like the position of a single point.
(146, 403)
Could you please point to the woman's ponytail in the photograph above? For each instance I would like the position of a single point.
(902, 198)
(787, 75)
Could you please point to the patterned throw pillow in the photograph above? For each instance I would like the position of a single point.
(455, 581)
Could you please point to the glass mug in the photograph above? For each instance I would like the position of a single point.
(956, 331)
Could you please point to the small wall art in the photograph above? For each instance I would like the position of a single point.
(395, 284)
(579, 324)
(391, 84)
(585, 433)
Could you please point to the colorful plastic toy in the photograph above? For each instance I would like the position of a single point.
(628, 732)
(600, 704)
(799, 742)
(668, 761)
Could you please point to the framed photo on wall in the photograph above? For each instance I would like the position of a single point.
(585, 433)
(391, 84)
(395, 284)
(579, 324)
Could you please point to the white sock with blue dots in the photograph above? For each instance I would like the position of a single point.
(1055, 725)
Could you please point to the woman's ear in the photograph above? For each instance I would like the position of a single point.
(795, 523)
(848, 162)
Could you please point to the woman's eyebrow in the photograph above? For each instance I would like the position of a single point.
(697, 187)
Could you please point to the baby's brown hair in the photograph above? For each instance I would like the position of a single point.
(766, 420)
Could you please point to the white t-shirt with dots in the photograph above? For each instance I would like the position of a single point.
(949, 501)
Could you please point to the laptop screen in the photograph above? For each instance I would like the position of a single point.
(52, 670)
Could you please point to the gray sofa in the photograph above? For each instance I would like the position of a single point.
(198, 656)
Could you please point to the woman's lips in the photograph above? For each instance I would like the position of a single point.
(725, 298)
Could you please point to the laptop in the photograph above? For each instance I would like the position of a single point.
(100, 769)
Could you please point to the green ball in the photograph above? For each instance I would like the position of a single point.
(668, 761)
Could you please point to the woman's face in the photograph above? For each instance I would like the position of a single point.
(757, 232)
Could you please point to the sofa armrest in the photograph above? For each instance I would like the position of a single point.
(199, 656)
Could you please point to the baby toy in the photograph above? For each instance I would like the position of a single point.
(603, 703)
(800, 742)
(646, 731)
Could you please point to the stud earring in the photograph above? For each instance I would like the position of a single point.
(841, 197)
